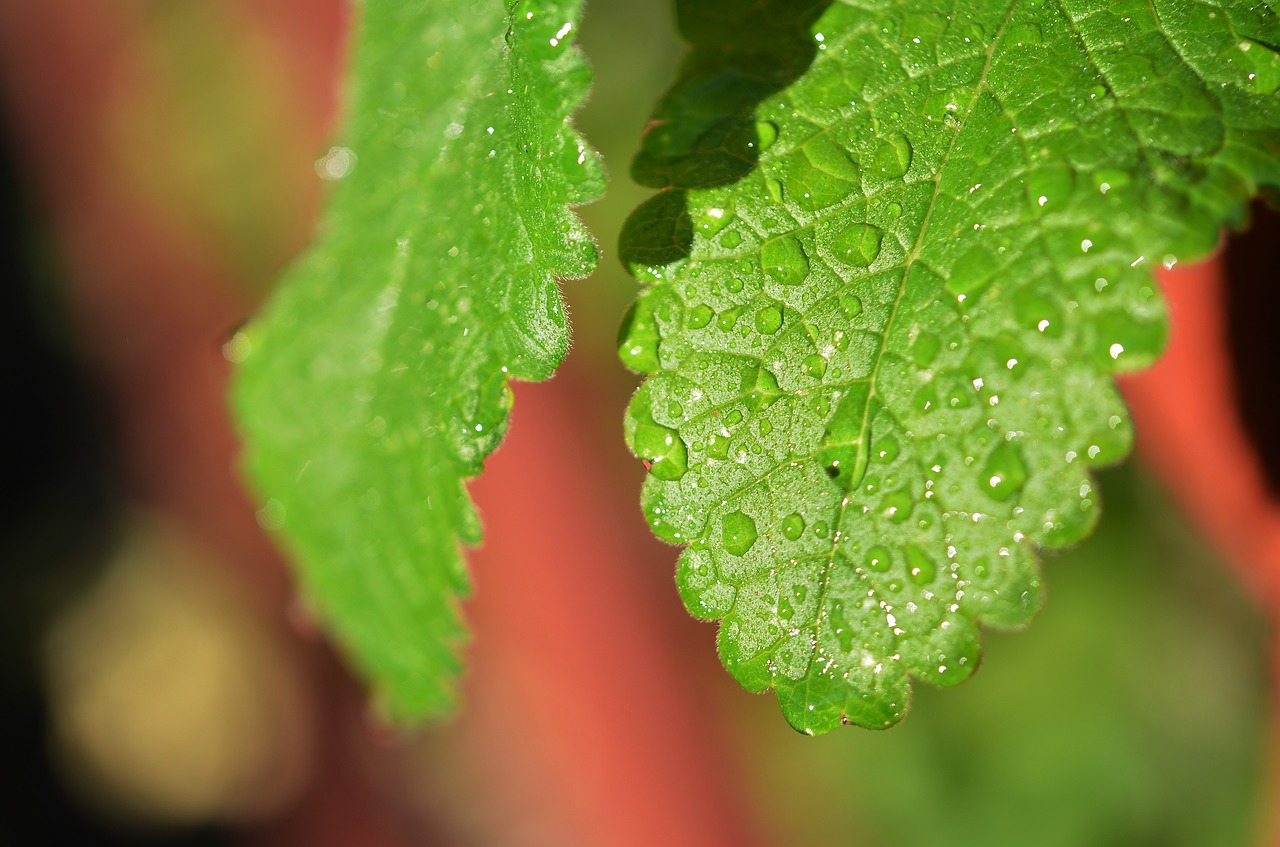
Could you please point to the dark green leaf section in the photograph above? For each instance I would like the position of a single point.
(898, 252)
(376, 380)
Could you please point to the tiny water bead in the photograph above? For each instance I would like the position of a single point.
(738, 532)
(793, 526)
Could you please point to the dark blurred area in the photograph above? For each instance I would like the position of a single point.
(1253, 301)
(161, 686)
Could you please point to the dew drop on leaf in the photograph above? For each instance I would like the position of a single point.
(857, 244)
(1004, 472)
(785, 260)
(879, 559)
(664, 448)
(769, 320)
(738, 531)
(700, 316)
(920, 566)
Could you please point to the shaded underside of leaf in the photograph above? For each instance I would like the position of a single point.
(376, 379)
(897, 253)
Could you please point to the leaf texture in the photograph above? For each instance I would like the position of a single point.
(897, 253)
(376, 380)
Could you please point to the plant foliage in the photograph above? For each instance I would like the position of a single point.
(898, 251)
(376, 380)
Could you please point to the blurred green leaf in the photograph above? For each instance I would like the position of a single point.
(1131, 714)
(376, 380)
(898, 251)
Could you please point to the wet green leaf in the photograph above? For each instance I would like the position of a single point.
(376, 380)
(955, 209)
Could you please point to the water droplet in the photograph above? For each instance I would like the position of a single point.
(700, 316)
(844, 454)
(840, 626)
(857, 244)
(730, 239)
(734, 285)
(793, 526)
(1097, 92)
(712, 220)
(728, 318)
(1004, 473)
(738, 531)
(886, 450)
(879, 559)
(820, 529)
(638, 337)
(1036, 311)
(815, 366)
(893, 210)
(785, 610)
(820, 174)
(718, 446)
(785, 261)
(763, 391)
(851, 306)
(769, 320)
(773, 188)
(920, 566)
(765, 426)
(1049, 187)
(1023, 35)
(840, 340)
(892, 156)
(766, 134)
(664, 449)
(897, 505)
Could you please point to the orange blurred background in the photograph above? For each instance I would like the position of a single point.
(162, 687)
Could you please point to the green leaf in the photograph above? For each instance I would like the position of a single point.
(376, 380)
(899, 250)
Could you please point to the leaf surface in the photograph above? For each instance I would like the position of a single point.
(375, 382)
(898, 251)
